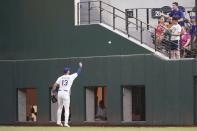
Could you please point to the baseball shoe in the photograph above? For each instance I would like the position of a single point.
(66, 125)
(59, 124)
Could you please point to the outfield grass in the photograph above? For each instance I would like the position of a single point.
(12, 128)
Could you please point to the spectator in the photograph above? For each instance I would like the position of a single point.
(168, 23)
(175, 38)
(160, 29)
(185, 41)
(176, 13)
(185, 38)
(33, 113)
(193, 28)
(101, 111)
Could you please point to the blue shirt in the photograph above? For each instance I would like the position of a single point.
(193, 30)
(177, 14)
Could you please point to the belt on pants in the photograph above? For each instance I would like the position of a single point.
(63, 90)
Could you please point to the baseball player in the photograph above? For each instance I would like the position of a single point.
(64, 83)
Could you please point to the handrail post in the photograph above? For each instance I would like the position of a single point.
(195, 53)
(136, 12)
(141, 32)
(114, 26)
(147, 15)
(196, 29)
(169, 40)
(88, 12)
(100, 6)
(127, 23)
(170, 53)
(155, 38)
(78, 14)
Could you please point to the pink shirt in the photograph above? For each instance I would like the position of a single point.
(185, 38)
(160, 30)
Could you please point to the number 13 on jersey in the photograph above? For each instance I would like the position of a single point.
(64, 82)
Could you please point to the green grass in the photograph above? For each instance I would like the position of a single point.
(12, 128)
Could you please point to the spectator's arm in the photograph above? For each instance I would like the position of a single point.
(194, 39)
(181, 17)
(180, 20)
(164, 27)
(176, 34)
(187, 43)
(166, 16)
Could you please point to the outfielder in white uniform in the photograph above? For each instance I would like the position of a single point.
(65, 82)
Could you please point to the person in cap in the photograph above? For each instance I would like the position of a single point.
(175, 38)
(64, 83)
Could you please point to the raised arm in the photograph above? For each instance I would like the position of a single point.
(166, 16)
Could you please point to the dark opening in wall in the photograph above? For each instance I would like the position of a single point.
(133, 103)
(96, 103)
(27, 104)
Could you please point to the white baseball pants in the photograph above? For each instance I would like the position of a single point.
(63, 100)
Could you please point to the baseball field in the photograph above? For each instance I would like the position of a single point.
(12, 128)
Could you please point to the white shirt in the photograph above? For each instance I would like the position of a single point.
(65, 82)
(175, 29)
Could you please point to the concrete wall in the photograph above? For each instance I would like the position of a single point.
(169, 87)
(44, 29)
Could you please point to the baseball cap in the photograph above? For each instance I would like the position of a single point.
(66, 69)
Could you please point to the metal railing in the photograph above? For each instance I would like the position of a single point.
(95, 12)
(146, 14)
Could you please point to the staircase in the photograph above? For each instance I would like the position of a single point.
(116, 20)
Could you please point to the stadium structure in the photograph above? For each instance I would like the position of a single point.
(137, 83)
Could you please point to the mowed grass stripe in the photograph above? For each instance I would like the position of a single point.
(12, 128)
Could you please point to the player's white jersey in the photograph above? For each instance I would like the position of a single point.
(65, 82)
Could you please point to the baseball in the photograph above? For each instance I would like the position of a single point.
(109, 42)
(80, 64)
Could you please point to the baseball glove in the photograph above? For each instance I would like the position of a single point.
(53, 99)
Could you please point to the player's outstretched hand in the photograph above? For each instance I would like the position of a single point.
(80, 64)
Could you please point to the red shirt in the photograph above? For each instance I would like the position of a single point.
(160, 30)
